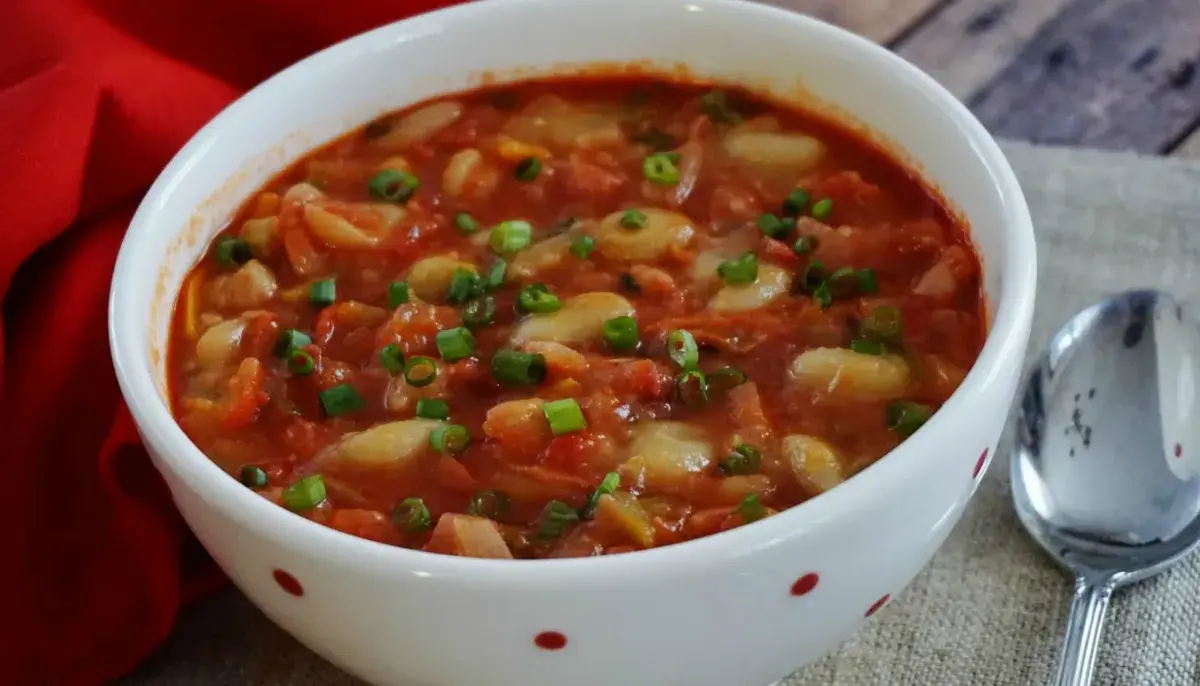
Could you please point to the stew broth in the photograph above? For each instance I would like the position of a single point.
(574, 317)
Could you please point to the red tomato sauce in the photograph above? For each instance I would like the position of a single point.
(826, 299)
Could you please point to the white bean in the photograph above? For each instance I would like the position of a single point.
(662, 454)
(704, 269)
(429, 279)
(339, 232)
(391, 443)
(252, 285)
(793, 152)
(260, 234)
(663, 230)
(541, 256)
(395, 162)
(218, 346)
(735, 489)
(580, 320)
(551, 121)
(772, 283)
(420, 125)
(517, 421)
(301, 193)
(467, 165)
(814, 462)
(843, 373)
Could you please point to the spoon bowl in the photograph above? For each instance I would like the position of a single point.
(1104, 474)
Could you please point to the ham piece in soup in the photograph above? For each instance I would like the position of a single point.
(574, 317)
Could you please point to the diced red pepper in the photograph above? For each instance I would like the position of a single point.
(246, 394)
(779, 252)
(567, 452)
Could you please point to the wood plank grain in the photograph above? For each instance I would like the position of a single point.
(880, 20)
(969, 42)
(1117, 74)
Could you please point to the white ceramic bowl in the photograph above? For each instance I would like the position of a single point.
(721, 611)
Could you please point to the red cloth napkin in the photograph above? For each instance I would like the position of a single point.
(95, 97)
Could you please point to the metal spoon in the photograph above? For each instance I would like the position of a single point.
(1106, 471)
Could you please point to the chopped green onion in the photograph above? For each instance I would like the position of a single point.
(805, 245)
(511, 236)
(232, 252)
(629, 284)
(633, 219)
(538, 299)
(744, 269)
(433, 408)
(555, 519)
(812, 277)
(340, 400)
(515, 368)
(822, 208)
(253, 477)
(621, 334)
(656, 139)
(750, 509)
(528, 169)
(682, 349)
(795, 202)
(773, 227)
(466, 223)
(450, 439)
(823, 295)
(564, 416)
(726, 378)
(322, 293)
(290, 339)
(608, 486)
(420, 371)
(583, 247)
(464, 285)
(397, 293)
(868, 284)
(906, 417)
(490, 504)
(393, 185)
(692, 388)
(305, 494)
(391, 357)
(717, 107)
(884, 324)
(843, 281)
(495, 275)
(866, 346)
(411, 515)
(660, 169)
(479, 313)
(455, 344)
(743, 459)
(300, 362)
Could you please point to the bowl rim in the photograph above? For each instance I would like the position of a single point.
(1006, 339)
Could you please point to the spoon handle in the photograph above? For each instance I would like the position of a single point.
(1084, 625)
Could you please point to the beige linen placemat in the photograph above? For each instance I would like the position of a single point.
(990, 608)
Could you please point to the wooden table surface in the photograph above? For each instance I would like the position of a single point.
(1114, 74)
